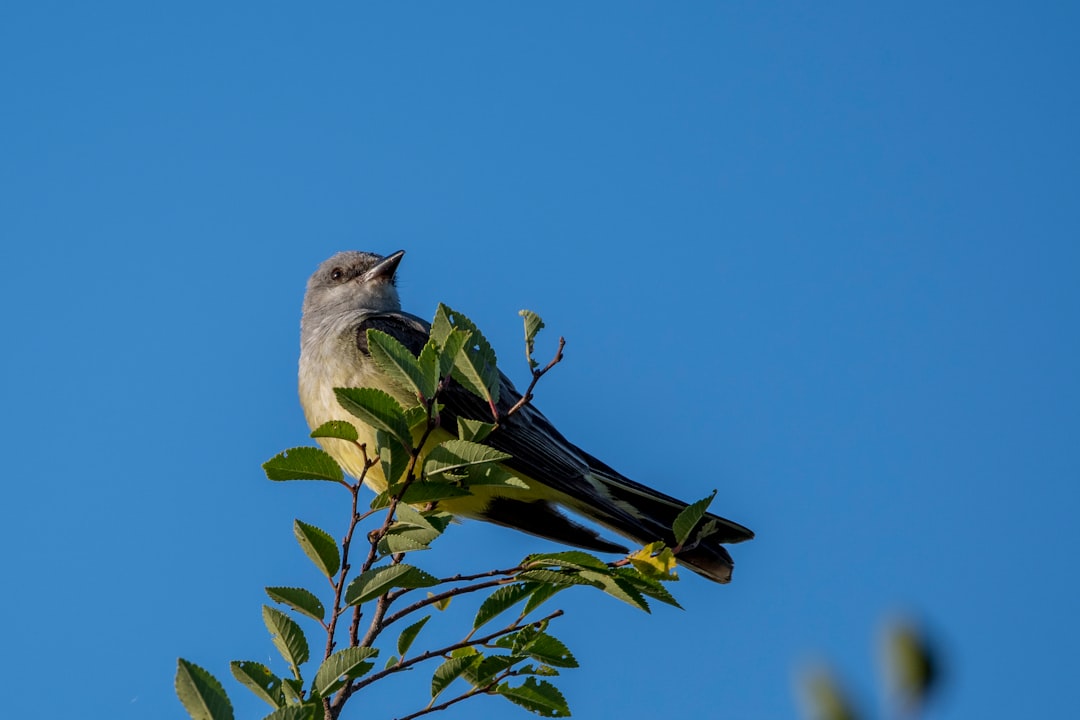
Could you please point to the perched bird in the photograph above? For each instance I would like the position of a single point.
(354, 291)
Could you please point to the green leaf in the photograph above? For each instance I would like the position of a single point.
(617, 587)
(533, 325)
(554, 577)
(287, 636)
(474, 430)
(573, 559)
(647, 586)
(200, 692)
(441, 604)
(307, 711)
(826, 699)
(688, 519)
(482, 673)
(257, 678)
(400, 538)
(450, 670)
(538, 696)
(393, 457)
(376, 581)
(342, 667)
(475, 364)
(293, 690)
(449, 348)
(336, 429)
(405, 639)
(428, 361)
(550, 651)
(319, 546)
(298, 599)
(303, 463)
(912, 664)
(402, 367)
(376, 408)
(501, 600)
(543, 592)
(454, 455)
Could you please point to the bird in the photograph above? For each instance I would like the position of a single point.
(352, 292)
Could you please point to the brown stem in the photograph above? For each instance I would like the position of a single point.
(527, 397)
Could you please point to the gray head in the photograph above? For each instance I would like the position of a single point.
(351, 281)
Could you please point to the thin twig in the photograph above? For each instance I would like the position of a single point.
(404, 665)
(527, 397)
(480, 690)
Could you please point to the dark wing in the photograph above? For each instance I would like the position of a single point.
(540, 452)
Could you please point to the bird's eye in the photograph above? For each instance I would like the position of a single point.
(337, 274)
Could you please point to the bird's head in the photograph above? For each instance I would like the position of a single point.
(350, 281)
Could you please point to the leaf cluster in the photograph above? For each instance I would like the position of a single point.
(369, 583)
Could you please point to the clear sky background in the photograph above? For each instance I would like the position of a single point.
(821, 258)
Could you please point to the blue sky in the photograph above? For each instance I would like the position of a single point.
(823, 259)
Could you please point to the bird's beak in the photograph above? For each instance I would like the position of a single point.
(385, 268)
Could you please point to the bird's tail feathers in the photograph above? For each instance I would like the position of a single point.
(646, 515)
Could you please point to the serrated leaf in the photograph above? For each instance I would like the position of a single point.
(420, 492)
(319, 546)
(293, 690)
(482, 672)
(542, 670)
(533, 325)
(449, 348)
(555, 577)
(342, 667)
(574, 559)
(401, 538)
(393, 457)
(648, 586)
(400, 365)
(376, 408)
(501, 600)
(391, 662)
(655, 560)
(408, 635)
(200, 692)
(376, 581)
(538, 696)
(308, 711)
(257, 678)
(449, 671)
(551, 651)
(336, 429)
(454, 455)
(618, 587)
(541, 593)
(689, 518)
(287, 636)
(298, 599)
(428, 360)
(303, 463)
(475, 365)
(473, 430)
